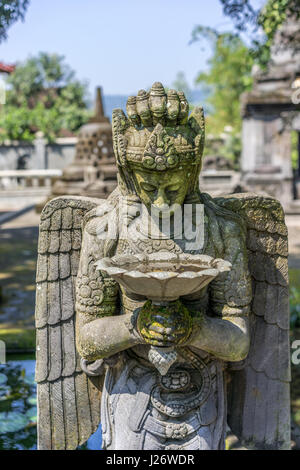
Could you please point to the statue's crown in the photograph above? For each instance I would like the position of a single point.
(158, 133)
(160, 148)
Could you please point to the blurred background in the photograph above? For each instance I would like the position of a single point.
(64, 66)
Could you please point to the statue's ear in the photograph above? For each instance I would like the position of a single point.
(197, 123)
(119, 125)
(120, 119)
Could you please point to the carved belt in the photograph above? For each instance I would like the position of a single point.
(189, 396)
(169, 430)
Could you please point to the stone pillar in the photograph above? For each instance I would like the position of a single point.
(38, 160)
(252, 136)
(267, 111)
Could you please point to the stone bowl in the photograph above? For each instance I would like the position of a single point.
(162, 276)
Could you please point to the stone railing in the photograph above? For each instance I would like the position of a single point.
(13, 180)
(22, 188)
(217, 182)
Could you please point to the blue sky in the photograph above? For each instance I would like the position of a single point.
(122, 45)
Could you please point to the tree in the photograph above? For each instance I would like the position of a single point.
(268, 19)
(43, 95)
(230, 66)
(180, 83)
(229, 75)
(10, 12)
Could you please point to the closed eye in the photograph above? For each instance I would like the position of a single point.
(173, 189)
(148, 187)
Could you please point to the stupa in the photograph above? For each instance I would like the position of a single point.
(93, 171)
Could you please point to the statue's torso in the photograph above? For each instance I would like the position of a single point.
(184, 409)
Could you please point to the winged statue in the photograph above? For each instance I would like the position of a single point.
(163, 341)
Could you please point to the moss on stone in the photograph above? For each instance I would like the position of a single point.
(174, 318)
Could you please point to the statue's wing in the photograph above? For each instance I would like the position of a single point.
(259, 400)
(68, 400)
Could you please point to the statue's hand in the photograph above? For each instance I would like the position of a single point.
(164, 326)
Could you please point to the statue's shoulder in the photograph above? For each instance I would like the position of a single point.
(257, 212)
(226, 219)
(96, 219)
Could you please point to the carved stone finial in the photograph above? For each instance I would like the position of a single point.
(157, 89)
(99, 110)
(142, 95)
(132, 111)
(99, 105)
(158, 102)
(142, 106)
(173, 106)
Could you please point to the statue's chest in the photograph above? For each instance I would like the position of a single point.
(148, 246)
(136, 242)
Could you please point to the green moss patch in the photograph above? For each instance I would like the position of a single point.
(18, 339)
(18, 256)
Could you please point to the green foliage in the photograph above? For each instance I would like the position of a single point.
(232, 148)
(230, 67)
(229, 75)
(240, 11)
(295, 307)
(294, 276)
(180, 84)
(269, 19)
(18, 339)
(10, 12)
(43, 95)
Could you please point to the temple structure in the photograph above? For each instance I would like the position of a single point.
(270, 114)
(93, 171)
(7, 69)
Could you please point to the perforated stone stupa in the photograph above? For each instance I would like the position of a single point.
(93, 171)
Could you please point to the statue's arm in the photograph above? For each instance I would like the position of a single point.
(224, 331)
(102, 337)
(100, 329)
(226, 338)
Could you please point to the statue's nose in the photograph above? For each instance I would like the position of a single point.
(161, 202)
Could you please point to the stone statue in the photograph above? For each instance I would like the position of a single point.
(171, 333)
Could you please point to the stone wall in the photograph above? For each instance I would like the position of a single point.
(56, 155)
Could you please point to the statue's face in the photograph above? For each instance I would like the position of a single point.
(161, 189)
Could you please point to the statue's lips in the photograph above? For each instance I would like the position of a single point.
(163, 276)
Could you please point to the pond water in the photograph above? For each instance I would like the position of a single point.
(18, 407)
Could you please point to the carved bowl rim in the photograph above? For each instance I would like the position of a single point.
(160, 269)
(170, 263)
